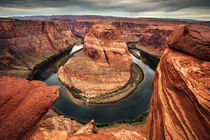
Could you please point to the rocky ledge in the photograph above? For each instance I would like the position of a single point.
(61, 128)
(22, 104)
(103, 66)
(181, 87)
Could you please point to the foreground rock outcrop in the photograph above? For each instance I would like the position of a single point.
(61, 128)
(120, 135)
(102, 66)
(181, 88)
(22, 104)
(26, 43)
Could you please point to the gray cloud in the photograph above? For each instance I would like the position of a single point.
(129, 7)
(124, 5)
(173, 5)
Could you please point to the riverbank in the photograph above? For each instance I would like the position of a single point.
(139, 120)
(149, 57)
(137, 77)
(52, 58)
(136, 103)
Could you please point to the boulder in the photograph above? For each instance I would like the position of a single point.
(22, 104)
(191, 39)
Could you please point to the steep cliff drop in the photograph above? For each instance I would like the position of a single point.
(102, 67)
(22, 105)
(26, 43)
(180, 103)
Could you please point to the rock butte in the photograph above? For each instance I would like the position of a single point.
(22, 105)
(103, 66)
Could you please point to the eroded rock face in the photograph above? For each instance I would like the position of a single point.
(56, 127)
(180, 102)
(104, 44)
(22, 105)
(191, 39)
(107, 135)
(61, 128)
(26, 43)
(103, 66)
(154, 40)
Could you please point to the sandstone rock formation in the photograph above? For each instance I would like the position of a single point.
(22, 105)
(192, 39)
(26, 43)
(181, 88)
(103, 66)
(61, 128)
(121, 135)
(56, 128)
(154, 40)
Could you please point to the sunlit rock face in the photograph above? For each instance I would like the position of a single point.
(108, 135)
(104, 44)
(22, 104)
(102, 66)
(181, 88)
(61, 128)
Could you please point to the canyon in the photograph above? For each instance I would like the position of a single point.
(24, 44)
(179, 106)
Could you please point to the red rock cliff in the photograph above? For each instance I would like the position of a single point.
(25, 43)
(181, 88)
(22, 105)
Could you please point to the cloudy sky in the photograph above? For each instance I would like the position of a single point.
(182, 9)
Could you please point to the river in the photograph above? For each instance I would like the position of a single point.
(125, 109)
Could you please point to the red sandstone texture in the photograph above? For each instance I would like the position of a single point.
(192, 39)
(61, 128)
(22, 105)
(180, 104)
(26, 43)
(121, 135)
(104, 43)
(149, 33)
(103, 66)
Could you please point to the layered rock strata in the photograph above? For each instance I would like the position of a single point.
(26, 43)
(181, 88)
(102, 66)
(22, 105)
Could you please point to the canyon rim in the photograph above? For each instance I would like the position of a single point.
(81, 77)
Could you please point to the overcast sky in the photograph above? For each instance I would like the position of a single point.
(184, 9)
